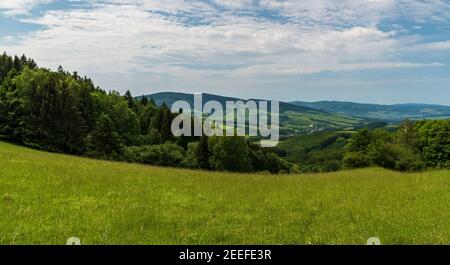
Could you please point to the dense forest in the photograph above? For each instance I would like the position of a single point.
(413, 146)
(63, 112)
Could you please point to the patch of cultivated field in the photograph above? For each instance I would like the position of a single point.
(46, 198)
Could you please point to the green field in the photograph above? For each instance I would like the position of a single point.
(46, 198)
(325, 144)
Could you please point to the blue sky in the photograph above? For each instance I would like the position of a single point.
(379, 51)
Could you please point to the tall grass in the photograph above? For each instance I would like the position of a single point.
(46, 198)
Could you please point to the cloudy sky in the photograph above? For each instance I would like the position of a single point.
(381, 51)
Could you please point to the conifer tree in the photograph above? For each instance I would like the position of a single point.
(144, 101)
(203, 153)
(129, 99)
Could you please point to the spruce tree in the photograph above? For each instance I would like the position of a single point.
(166, 131)
(203, 153)
(144, 101)
(129, 99)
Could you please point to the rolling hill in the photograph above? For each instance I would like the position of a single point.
(295, 120)
(47, 198)
(319, 151)
(382, 112)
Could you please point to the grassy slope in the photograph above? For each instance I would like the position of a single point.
(296, 123)
(326, 145)
(46, 198)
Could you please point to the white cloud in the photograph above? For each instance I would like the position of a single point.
(442, 45)
(19, 7)
(192, 40)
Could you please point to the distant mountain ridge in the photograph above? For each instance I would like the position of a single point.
(294, 119)
(170, 97)
(394, 112)
(299, 117)
(383, 112)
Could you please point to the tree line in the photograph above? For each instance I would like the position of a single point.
(63, 112)
(414, 146)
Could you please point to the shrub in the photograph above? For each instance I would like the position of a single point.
(360, 141)
(167, 154)
(394, 156)
(435, 142)
(353, 160)
(331, 165)
(408, 160)
(229, 154)
(191, 160)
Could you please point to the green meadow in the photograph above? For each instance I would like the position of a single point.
(46, 198)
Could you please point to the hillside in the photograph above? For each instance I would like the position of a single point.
(295, 120)
(384, 112)
(46, 198)
(317, 151)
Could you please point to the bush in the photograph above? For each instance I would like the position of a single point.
(167, 154)
(434, 138)
(191, 159)
(360, 141)
(331, 165)
(394, 156)
(264, 160)
(408, 160)
(229, 154)
(353, 160)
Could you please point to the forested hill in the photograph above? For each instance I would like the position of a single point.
(384, 112)
(367, 112)
(295, 120)
(170, 97)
